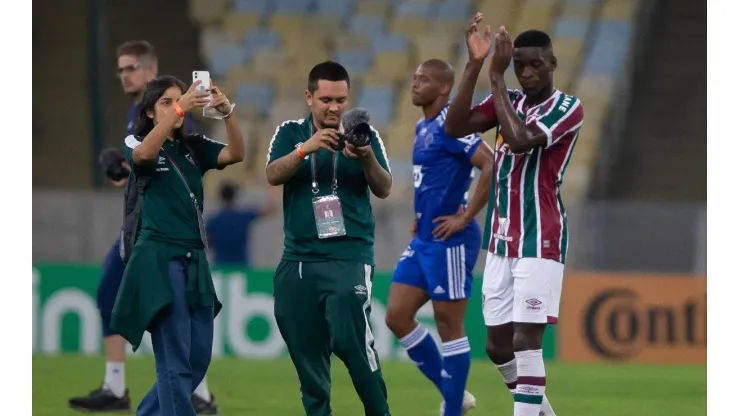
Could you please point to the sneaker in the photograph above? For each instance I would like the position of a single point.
(203, 407)
(101, 400)
(468, 404)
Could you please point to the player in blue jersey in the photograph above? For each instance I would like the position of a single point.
(438, 263)
(137, 65)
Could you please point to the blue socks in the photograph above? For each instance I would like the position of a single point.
(450, 374)
(422, 349)
(455, 375)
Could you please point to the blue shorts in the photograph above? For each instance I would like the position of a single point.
(110, 281)
(444, 271)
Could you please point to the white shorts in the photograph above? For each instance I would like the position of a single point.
(521, 290)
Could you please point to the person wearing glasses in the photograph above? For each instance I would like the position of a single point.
(137, 65)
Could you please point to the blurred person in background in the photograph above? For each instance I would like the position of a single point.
(167, 288)
(136, 66)
(438, 263)
(539, 127)
(229, 229)
(323, 283)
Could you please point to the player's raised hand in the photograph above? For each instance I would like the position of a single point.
(502, 51)
(325, 138)
(194, 99)
(478, 46)
(450, 224)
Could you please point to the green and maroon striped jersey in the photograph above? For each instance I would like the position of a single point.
(529, 219)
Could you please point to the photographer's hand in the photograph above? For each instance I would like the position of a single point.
(352, 151)
(325, 138)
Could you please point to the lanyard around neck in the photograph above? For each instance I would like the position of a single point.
(314, 168)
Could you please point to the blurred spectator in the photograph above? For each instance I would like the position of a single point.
(229, 228)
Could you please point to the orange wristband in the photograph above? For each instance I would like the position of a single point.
(178, 110)
(299, 152)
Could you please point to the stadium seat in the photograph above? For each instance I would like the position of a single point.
(376, 100)
(256, 98)
(499, 12)
(357, 61)
(388, 43)
(372, 7)
(570, 28)
(238, 75)
(210, 38)
(207, 11)
(334, 8)
(287, 25)
(237, 25)
(434, 45)
(535, 14)
(266, 61)
(579, 9)
(294, 7)
(408, 26)
(393, 66)
(415, 8)
(225, 56)
(569, 51)
(618, 10)
(608, 48)
(259, 7)
(454, 9)
(367, 24)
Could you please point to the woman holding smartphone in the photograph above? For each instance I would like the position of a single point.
(167, 287)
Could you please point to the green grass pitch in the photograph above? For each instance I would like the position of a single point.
(246, 387)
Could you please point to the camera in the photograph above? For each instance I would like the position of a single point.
(359, 136)
(357, 130)
(112, 162)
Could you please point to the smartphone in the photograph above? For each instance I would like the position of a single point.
(205, 80)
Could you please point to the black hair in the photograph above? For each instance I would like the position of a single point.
(533, 39)
(153, 92)
(328, 71)
(228, 192)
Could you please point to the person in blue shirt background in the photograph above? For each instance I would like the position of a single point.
(229, 229)
(136, 66)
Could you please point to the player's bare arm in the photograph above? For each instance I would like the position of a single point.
(482, 159)
(516, 134)
(148, 150)
(282, 169)
(378, 179)
(234, 150)
(463, 120)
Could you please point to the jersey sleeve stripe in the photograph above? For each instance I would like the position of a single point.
(382, 149)
(569, 122)
(131, 142)
(274, 136)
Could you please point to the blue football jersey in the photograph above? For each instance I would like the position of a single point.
(442, 175)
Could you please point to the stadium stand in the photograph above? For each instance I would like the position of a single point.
(263, 49)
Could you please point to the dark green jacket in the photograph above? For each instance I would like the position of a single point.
(146, 289)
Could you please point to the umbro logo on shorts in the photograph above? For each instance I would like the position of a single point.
(534, 304)
(360, 290)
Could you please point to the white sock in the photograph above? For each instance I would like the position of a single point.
(509, 374)
(202, 390)
(115, 379)
(530, 386)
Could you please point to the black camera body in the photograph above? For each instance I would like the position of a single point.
(359, 136)
(112, 162)
(357, 130)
